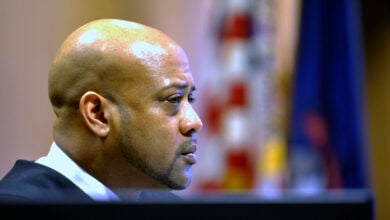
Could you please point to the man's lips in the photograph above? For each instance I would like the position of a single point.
(189, 153)
(191, 149)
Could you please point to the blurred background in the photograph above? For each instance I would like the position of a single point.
(294, 95)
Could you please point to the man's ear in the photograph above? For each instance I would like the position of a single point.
(93, 108)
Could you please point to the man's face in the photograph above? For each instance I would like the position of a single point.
(158, 122)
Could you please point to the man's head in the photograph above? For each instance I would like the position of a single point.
(122, 94)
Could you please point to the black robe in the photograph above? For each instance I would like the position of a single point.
(29, 182)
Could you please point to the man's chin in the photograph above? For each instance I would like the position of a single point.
(180, 185)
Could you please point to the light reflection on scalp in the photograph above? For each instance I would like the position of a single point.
(167, 82)
(126, 24)
(88, 37)
(148, 54)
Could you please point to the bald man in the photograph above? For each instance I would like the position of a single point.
(122, 94)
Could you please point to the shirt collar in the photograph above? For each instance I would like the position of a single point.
(59, 161)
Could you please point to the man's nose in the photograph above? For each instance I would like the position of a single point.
(190, 122)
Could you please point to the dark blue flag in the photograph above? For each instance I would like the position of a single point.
(327, 135)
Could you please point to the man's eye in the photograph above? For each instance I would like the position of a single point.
(174, 99)
(191, 99)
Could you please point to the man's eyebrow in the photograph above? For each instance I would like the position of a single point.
(193, 88)
(179, 86)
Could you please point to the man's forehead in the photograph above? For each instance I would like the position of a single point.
(178, 80)
(159, 57)
(148, 54)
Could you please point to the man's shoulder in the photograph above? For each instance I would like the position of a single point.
(159, 196)
(28, 173)
(29, 181)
